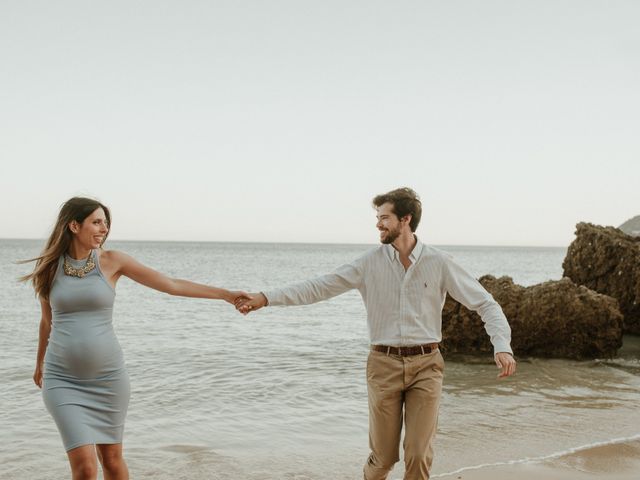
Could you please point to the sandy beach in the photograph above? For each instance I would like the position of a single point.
(620, 461)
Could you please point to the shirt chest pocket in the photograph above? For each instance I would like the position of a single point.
(423, 289)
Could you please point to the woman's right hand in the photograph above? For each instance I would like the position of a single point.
(37, 376)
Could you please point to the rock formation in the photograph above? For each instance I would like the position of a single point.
(607, 260)
(552, 319)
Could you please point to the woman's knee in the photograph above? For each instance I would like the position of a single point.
(111, 459)
(83, 463)
(85, 470)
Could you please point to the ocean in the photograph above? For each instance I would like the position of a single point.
(281, 393)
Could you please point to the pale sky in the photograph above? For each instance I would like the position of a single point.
(279, 121)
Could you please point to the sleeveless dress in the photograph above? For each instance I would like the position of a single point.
(85, 383)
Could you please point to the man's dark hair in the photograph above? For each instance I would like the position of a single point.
(405, 202)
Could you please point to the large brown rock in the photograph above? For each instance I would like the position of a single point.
(607, 260)
(556, 319)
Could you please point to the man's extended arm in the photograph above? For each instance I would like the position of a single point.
(344, 278)
(470, 292)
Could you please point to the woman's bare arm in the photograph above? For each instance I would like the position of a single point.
(43, 341)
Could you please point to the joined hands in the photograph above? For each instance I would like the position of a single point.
(251, 302)
(235, 297)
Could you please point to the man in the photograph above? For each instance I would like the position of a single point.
(403, 284)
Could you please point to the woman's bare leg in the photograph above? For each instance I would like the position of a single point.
(113, 464)
(83, 463)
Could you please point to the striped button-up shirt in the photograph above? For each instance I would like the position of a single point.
(404, 307)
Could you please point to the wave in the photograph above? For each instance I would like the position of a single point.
(544, 458)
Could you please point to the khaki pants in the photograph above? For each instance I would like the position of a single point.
(414, 382)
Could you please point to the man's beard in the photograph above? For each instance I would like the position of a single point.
(391, 236)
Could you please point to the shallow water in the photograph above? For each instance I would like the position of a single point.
(281, 394)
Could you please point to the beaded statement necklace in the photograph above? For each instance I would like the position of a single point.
(78, 272)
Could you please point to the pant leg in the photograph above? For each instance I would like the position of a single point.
(422, 400)
(385, 389)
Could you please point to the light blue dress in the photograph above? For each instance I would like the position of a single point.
(85, 383)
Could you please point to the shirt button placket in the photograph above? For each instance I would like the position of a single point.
(403, 301)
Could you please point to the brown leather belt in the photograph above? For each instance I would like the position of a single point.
(407, 351)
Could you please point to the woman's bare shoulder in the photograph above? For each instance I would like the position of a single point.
(113, 256)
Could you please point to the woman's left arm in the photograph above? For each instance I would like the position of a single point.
(136, 271)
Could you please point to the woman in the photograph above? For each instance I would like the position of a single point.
(82, 374)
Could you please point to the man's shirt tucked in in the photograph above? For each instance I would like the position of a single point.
(404, 307)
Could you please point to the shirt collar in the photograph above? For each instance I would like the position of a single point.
(393, 254)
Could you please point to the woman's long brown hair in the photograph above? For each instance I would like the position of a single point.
(78, 209)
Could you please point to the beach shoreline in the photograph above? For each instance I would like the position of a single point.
(619, 460)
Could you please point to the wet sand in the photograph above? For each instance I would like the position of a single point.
(619, 461)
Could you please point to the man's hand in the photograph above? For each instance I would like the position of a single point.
(506, 363)
(255, 301)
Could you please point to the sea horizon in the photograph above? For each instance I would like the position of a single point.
(285, 242)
